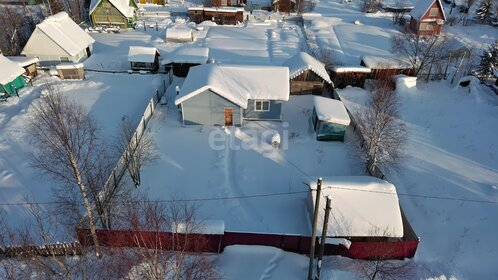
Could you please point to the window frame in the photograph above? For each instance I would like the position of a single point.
(426, 25)
(433, 12)
(261, 102)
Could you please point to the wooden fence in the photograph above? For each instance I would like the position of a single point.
(120, 168)
(58, 249)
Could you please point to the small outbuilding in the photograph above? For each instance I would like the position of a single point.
(225, 95)
(218, 15)
(143, 58)
(179, 34)
(383, 67)
(329, 119)
(181, 60)
(343, 76)
(120, 13)
(70, 71)
(427, 17)
(58, 39)
(307, 75)
(28, 63)
(366, 219)
(11, 77)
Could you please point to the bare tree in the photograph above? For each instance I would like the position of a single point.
(325, 57)
(383, 133)
(383, 268)
(137, 149)
(157, 255)
(420, 51)
(65, 139)
(399, 12)
(371, 6)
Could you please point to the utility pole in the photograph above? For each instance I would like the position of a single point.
(313, 229)
(324, 237)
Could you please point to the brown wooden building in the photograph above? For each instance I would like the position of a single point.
(228, 3)
(385, 67)
(283, 6)
(28, 63)
(307, 75)
(343, 76)
(219, 15)
(427, 18)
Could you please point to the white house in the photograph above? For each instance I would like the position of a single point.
(58, 39)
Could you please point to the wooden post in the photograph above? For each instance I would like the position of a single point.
(313, 229)
(324, 237)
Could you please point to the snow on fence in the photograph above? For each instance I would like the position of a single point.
(120, 168)
(360, 248)
(58, 249)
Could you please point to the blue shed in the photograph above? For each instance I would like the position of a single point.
(227, 95)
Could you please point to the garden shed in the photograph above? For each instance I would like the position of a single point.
(28, 63)
(179, 34)
(343, 76)
(143, 58)
(329, 119)
(366, 218)
(383, 67)
(11, 78)
(225, 95)
(307, 74)
(182, 59)
(70, 71)
(427, 17)
(58, 39)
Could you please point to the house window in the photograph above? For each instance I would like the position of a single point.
(433, 12)
(64, 59)
(106, 5)
(426, 26)
(262, 106)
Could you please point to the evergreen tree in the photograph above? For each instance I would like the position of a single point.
(485, 11)
(489, 62)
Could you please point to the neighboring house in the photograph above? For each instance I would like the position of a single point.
(383, 67)
(28, 63)
(307, 74)
(219, 15)
(329, 119)
(143, 58)
(58, 39)
(120, 13)
(11, 78)
(226, 3)
(157, 2)
(283, 6)
(227, 95)
(182, 59)
(366, 219)
(427, 17)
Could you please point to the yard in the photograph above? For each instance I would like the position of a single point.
(235, 175)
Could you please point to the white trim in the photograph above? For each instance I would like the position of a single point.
(262, 102)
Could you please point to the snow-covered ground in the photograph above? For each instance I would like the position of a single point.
(107, 97)
(451, 153)
(209, 163)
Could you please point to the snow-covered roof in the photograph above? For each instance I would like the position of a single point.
(193, 55)
(9, 70)
(302, 62)
(23, 61)
(348, 69)
(237, 83)
(361, 206)
(204, 227)
(142, 54)
(384, 62)
(63, 31)
(179, 33)
(69, 66)
(331, 110)
(224, 9)
(122, 6)
(423, 6)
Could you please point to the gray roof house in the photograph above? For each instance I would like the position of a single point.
(226, 95)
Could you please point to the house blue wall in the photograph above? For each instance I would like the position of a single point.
(275, 112)
(208, 108)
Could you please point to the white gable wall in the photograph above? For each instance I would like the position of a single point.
(49, 53)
